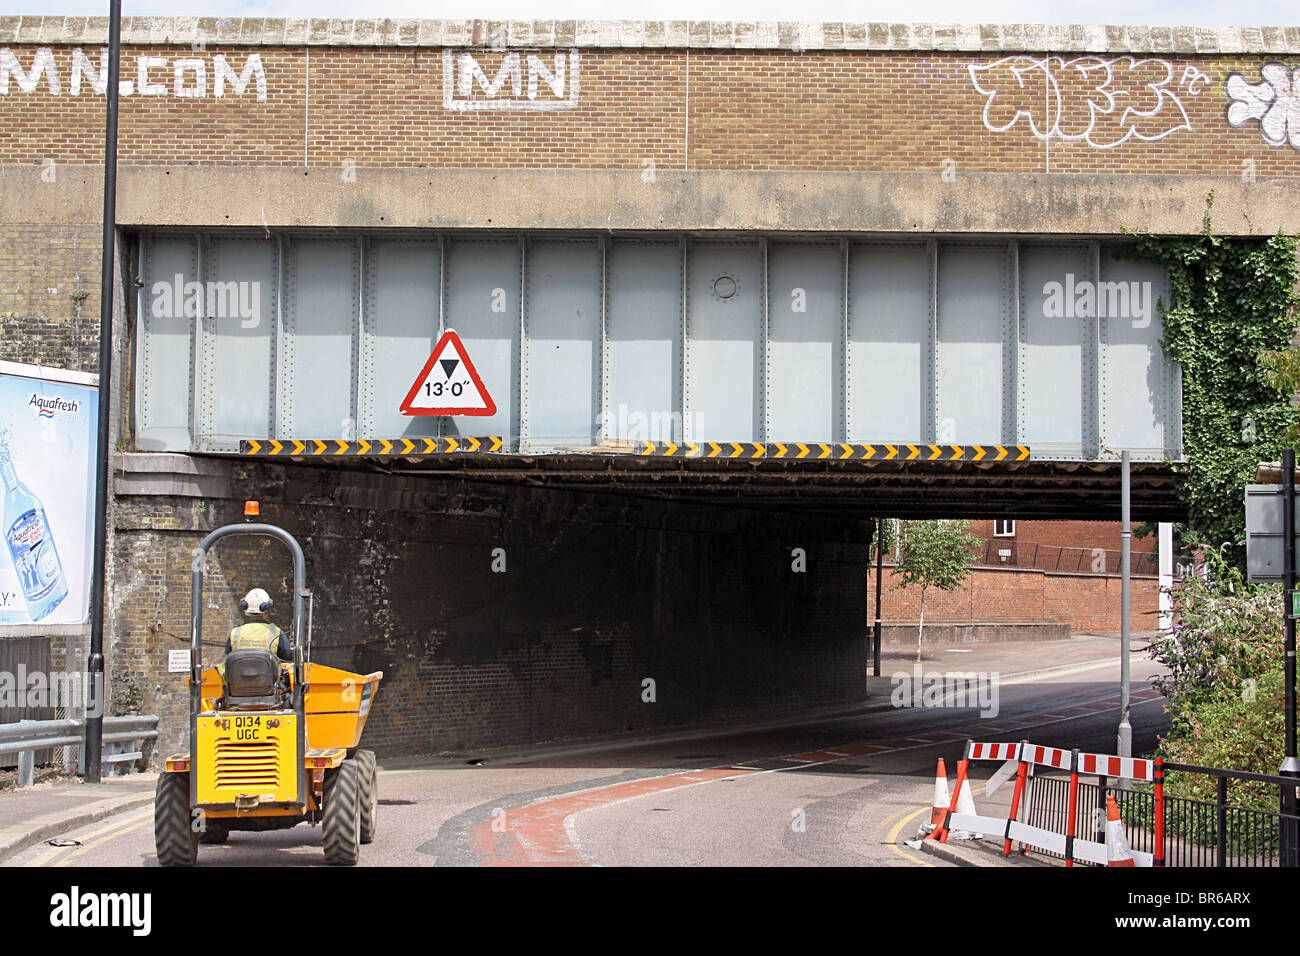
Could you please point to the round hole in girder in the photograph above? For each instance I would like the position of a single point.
(724, 287)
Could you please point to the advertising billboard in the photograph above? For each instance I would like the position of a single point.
(47, 480)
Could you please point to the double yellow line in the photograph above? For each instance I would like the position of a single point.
(62, 856)
(892, 839)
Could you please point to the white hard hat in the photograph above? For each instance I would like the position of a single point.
(255, 601)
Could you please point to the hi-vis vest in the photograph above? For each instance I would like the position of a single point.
(255, 636)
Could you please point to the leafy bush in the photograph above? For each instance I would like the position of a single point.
(1244, 730)
(1225, 633)
(1226, 692)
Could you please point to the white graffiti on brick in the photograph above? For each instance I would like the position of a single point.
(186, 78)
(1102, 103)
(1275, 103)
(466, 85)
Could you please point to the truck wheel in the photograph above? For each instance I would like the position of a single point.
(369, 794)
(174, 838)
(214, 833)
(341, 820)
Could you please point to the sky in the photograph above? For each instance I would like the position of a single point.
(1161, 12)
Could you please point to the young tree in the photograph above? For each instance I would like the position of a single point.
(935, 554)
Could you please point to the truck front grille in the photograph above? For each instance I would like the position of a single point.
(247, 766)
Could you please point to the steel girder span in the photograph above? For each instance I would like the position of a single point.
(597, 343)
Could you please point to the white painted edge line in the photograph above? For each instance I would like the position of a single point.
(1028, 677)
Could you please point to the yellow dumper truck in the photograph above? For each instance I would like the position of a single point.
(272, 744)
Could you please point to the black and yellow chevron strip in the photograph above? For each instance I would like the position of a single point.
(807, 451)
(832, 451)
(365, 448)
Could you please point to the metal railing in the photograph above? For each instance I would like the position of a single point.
(1197, 833)
(26, 737)
(1054, 557)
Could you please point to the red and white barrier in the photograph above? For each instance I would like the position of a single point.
(1068, 844)
(994, 751)
(1048, 756)
(1128, 768)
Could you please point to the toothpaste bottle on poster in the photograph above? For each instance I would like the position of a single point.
(27, 533)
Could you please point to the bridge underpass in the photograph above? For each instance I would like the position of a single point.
(666, 521)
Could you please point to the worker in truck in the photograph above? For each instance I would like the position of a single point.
(258, 633)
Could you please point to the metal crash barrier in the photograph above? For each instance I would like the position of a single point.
(28, 736)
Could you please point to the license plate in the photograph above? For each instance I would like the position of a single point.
(248, 728)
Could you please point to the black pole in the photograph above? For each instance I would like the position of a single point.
(1288, 571)
(1290, 766)
(1124, 735)
(878, 629)
(95, 663)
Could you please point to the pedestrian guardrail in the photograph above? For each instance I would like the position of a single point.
(26, 737)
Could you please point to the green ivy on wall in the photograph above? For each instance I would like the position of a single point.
(1229, 325)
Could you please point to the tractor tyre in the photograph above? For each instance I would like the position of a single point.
(365, 760)
(174, 838)
(341, 819)
(215, 833)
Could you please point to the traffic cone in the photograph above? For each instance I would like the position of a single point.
(1118, 852)
(942, 800)
(966, 806)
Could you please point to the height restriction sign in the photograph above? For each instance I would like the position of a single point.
(448, 384)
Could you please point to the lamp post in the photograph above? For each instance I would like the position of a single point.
(1125, 742)
(878, 629)
(95, 662)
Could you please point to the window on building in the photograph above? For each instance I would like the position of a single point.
(1004, 529)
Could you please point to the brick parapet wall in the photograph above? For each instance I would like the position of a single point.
(825, 110)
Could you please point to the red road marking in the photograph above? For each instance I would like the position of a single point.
(534, 835)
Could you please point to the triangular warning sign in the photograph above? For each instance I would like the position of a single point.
(448, 384)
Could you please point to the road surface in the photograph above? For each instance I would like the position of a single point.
(841, 792)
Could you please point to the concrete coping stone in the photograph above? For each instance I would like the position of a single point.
(197, 32)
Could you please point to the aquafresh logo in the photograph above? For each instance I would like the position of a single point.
(49, 407)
